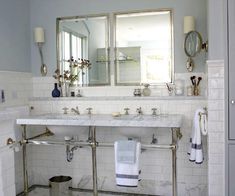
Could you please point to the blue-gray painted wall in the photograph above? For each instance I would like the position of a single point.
(44, 13)
(216, 29)
(14, 35)
(18, 18)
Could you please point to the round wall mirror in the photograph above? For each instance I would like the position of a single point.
(192, 43)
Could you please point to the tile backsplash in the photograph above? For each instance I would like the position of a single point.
(43, 86)
(17, 87)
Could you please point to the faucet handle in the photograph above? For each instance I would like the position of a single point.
(154, 111)
(65, 110)
(89, 110)
(126, 111)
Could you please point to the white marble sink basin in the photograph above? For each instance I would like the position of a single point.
(67, 116)
(103, 120)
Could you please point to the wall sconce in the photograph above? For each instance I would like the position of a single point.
(189, 24)
(193, 43)
(39, 40)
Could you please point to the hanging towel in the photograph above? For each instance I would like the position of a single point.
(127, 162)
(195, 148)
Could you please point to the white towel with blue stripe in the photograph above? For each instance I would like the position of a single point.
(195, 148)
(127, 154)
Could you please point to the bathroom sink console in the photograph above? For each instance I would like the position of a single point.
(172, 122)
(104, 120)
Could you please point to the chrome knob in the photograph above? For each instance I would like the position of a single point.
(89, 111)
(154, 111)
(65, 110)
(126, 111)
(232, 102)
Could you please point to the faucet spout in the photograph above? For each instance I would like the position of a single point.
(75, 110)
(139, 111)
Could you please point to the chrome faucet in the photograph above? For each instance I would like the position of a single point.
(139, 111)
(154, 111)
(126, 111)
(89, 111)
(75, 110)
(65, 109)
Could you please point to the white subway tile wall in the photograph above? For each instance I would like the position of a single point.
(216, 128)
(17, 87)
(45, 162)
(7, 171)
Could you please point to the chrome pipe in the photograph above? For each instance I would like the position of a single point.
(46, 133)
(149, 146)
(98, 144)
(25, 171)
(57, 143)
(94, 162)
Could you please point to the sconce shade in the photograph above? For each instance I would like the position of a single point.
(39, 35)
(189, 24)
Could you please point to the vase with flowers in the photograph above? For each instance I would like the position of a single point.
(69, 77)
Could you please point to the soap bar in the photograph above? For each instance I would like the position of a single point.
(116, 114)
(67, 138)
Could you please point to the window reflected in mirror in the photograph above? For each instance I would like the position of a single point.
(143, 52)
(83, 49)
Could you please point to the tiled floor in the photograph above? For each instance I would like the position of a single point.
(45, 192)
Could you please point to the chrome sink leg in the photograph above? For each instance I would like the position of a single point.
(174, 161)
(94, 164)
(25, 171)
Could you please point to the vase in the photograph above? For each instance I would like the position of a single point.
(55, 92)
(146, 90)
(65, 89)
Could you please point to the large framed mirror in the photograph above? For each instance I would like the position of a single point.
(82, 50)
(144, 47)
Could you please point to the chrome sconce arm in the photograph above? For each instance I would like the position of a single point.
(43, 68)
(39, 40)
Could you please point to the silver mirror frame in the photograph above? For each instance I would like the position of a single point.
(58, 67)
(172, 44)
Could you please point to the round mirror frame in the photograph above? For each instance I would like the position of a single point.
(199, 43)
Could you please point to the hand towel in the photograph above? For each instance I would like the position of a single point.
(195, 149)
(127, 162)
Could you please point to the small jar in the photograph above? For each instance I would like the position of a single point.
(196, 90)
(146, 91)
(137, 92)
(179, 87)
(190, 91)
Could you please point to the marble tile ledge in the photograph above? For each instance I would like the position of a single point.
(111, 98)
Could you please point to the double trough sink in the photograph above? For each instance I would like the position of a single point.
(130, 122)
